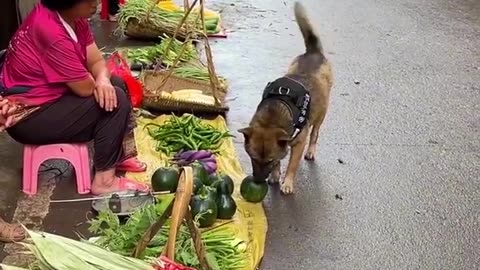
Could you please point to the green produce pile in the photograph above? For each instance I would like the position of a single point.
(196, 73)
(224, 250)
(167, 20)
(212, 198)
(212, 193)
(150, 55)
(185, 133)
(157, 17)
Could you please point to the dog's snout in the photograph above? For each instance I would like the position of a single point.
(260, 176)
(260, 171)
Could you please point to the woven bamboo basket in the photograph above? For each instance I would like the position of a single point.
(180, 212)
(145, 30)
(156, 82)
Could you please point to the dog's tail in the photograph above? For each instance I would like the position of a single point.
(312, 42)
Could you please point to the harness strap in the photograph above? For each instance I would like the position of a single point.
(295, 96)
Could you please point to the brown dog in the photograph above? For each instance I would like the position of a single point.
(291, 107)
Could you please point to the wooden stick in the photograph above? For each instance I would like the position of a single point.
(182, 200)
(210, 65)
(179, 26)
(152, 231)
(197, 241)
(147, 16)
(175, 63)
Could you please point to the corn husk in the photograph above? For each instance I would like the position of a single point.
(59, 253)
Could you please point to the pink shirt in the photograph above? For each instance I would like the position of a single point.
(44, 56)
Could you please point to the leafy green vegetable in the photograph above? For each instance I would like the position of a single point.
(224, 250)
(150, 55)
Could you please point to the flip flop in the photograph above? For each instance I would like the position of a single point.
(132, 165)
(11, 233)
(125, 184)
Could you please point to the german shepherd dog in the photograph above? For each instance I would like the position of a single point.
(278, 123)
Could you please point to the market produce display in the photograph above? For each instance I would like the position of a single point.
(162, 18)
(150, 55)
(253, 191)
(224, 250)
(185, 133)
(249, 221)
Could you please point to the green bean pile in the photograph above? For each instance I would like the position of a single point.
(185, 133)
(159, 18)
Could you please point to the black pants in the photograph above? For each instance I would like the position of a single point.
(74, 119)
(113, 7)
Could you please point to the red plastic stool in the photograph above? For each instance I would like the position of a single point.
(35, 155)
(104, 9)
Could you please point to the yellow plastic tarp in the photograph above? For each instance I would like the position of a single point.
(249, 223)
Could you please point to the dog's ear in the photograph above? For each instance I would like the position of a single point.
(282, 137)
(247, 132)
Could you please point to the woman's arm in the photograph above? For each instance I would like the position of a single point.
(83, 88)
(104, 91)
(61, 64)
(97, 64)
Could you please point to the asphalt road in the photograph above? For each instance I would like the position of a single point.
(396, 180)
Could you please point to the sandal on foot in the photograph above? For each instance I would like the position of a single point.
(125, 184)
(11, 233)
(132, 165)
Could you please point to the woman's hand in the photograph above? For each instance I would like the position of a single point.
(6, 111)
(105, 95)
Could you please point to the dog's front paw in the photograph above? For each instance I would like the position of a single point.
(286, 188)
(310, 155)
(273, 179)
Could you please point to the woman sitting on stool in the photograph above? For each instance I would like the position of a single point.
(55, 88)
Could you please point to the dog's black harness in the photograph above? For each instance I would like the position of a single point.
(293, 94)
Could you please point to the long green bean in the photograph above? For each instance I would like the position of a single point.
(185, 133)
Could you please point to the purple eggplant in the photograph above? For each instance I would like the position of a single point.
(191, 156)
(210, 159)
(210, 167)
(202, 154)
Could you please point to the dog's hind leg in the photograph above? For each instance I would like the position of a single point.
(275, 175)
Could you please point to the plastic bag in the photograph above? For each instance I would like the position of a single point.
(119, 67)
(167, 264)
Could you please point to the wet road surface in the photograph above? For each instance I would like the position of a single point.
(396, 180)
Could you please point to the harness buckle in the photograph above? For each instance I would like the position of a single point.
(283, 90)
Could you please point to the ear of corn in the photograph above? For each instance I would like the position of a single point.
(169, 5)
(58, 253)
(189, 95)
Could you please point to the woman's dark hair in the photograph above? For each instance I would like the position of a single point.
(60, 5)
